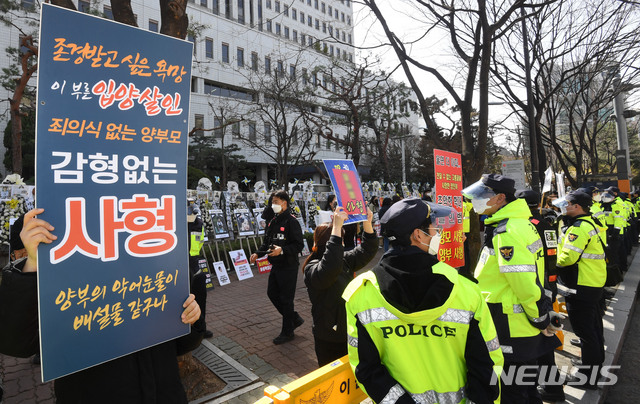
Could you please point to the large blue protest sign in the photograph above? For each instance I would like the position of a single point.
(111, 152)
(346, 182)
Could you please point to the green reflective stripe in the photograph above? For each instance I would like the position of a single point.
(573, 248)
(517, 268)
(593, 232)
(493, 345)
(457, 316)
(535, 246)
(353, 341)
(374, 315)
(393, 395)
(593, 256)
(433, 397)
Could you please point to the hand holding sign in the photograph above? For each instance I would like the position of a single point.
(35, 231)
(191, 312)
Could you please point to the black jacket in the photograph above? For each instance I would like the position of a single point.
(149, 376)
(284, 231)
(326, 279)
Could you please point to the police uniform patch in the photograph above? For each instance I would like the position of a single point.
(572, 237)
(506, 252)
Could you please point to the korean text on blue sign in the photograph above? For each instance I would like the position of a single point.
(111, 151)
(346, 183)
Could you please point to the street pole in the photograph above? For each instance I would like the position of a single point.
(533, 138)
(404, 169)
(622, 154)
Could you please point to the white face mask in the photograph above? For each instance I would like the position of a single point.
(480, 205)
(276, 208)
(597, 197)
(434, 244)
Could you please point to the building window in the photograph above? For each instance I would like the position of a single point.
(228, 11)
(309, 3)
(294, 36)
(208, 45)
(314, 79)
(240, 55)
(267, 65)
(215, 6)
(28, 4)
(310, 40)
(254, 61)
(348, 20)
(338, 52)
(304, 77)
(269, 4)
(225, 53)
(108, 13)
(286, 10)
(84, 6)
(315, 4)
(280, 68)
(286, 32)
(203, 3)
(310, 21)
(153, 25)
(343, 39)
(303, 39)
(268, 25)
(336, 14)
(294, 14)
(199, 124)
(301, 17)
(349, 38)
(292, 71)
(324, 27)
(267, 132)
(278, 29)
(235, 130)
(330, 11)
(194, 84)
(277, 8)
(331, 50)
(318, 24)
(241, 11)
(342, 14)
(322, 8)
(252, 130)
(218, 131)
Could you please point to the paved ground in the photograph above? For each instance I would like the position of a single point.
(244, 322)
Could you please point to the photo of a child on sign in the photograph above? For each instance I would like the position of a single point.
(346, 182)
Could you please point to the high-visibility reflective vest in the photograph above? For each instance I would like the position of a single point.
(510, 271)
(197, 241)
(466, 218)
(439, 334)
(583, 244)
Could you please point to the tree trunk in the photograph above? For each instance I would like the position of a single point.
(174, 18)
(122, 12)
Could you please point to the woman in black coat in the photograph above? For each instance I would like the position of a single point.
(327, 271)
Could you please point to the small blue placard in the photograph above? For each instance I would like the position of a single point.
(346, 182)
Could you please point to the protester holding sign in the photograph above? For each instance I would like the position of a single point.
(327, 271)
(283, 241)
(147, 376)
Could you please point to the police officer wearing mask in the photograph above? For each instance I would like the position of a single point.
(510, 273)
(417, 330)
(549, 237)
(582, 268)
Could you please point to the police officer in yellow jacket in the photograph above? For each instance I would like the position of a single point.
(510, 273)
(195, 228)
(418, 331)
(582, 268)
